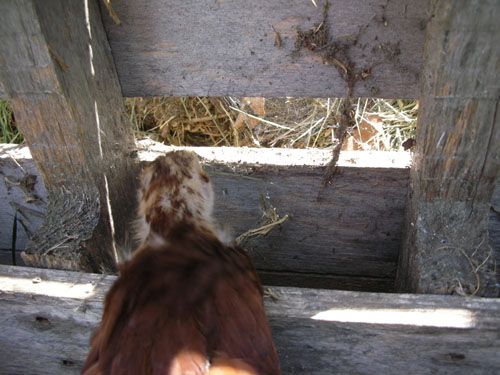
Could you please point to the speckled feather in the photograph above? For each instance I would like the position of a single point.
(186, 303)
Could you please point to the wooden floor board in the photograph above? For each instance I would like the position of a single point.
(47, 317)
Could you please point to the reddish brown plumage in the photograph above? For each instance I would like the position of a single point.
(185, 303)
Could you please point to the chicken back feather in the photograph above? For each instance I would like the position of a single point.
(186, 303)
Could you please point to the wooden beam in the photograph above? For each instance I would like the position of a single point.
(366, 253)
(47, 317)
(58, 71)
(223, 48)
(457, 159)
(348, 240)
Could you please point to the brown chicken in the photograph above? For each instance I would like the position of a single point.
(186, 303)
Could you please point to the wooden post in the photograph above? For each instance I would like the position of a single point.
(58, 71)
(457, 157)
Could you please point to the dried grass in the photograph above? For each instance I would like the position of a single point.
(285, 122)
(269, 220)
(8, 130)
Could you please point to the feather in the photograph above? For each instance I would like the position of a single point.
(186, 303)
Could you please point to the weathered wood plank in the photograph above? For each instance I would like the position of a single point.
(494, 226)
(6, 258)
(348, 240)
(47, 316)
(222, 48)
(21, 190)
(347, 232)
(58, 70)
(457, 158)
(237, 208)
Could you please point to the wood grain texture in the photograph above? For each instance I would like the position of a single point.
(348, 240)
(365, 257)
(494, 226)
(457, 159)
(22, 193)
(217, 48)
(58, 70)
(6, 258)
(347, 231)
(47, 317)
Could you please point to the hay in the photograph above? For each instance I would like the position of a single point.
(369, 124)
(284, 123)
(8, 130)
(269, 220)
